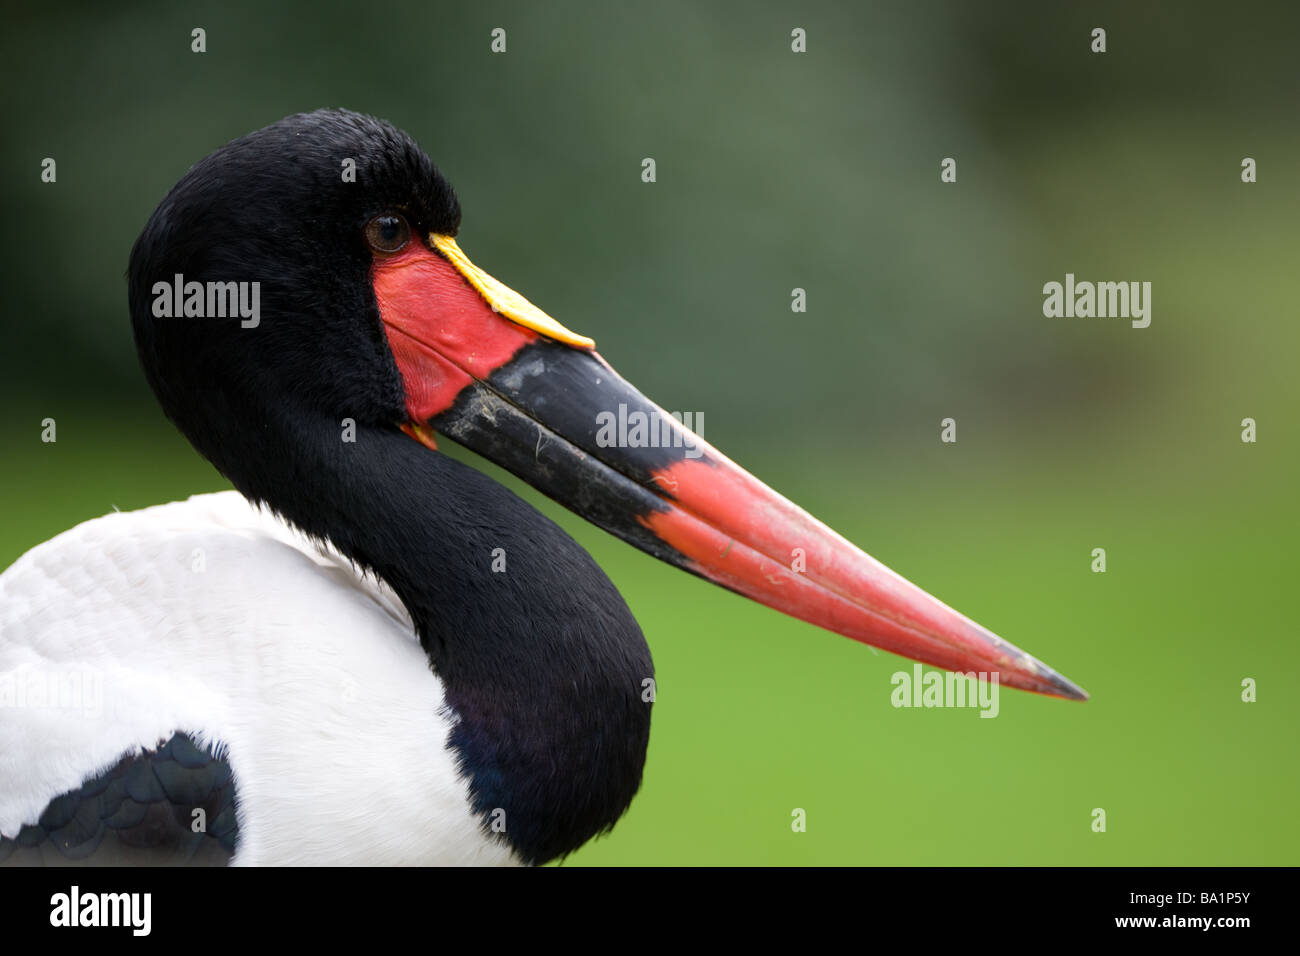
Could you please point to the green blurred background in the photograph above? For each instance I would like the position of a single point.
(821, 171)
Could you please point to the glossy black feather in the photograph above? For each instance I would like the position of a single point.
(543, 664)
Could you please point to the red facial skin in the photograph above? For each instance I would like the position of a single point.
(441, 331)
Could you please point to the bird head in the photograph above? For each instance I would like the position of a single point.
(366, 308)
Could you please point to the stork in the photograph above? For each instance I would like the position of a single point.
(370, 652)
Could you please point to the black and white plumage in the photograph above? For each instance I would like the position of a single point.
(333, 646)
(172, 804)
(305, 674)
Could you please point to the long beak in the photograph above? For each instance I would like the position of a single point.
(485, 367)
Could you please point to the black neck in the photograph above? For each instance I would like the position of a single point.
(543, 662)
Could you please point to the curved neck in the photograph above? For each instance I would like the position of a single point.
(540, 657)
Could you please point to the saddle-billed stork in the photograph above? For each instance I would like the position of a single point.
(371, 652)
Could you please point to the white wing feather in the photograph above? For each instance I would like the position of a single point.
(211, 617)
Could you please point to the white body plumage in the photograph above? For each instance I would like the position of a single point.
(211, 617)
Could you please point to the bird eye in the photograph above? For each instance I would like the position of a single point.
(387, 233)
